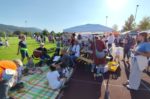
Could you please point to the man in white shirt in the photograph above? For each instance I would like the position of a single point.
(75, 52)
(54, 80)
(110, 39)
(76, 49)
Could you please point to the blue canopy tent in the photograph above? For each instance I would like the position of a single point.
(88, 28)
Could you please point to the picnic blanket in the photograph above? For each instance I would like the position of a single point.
(35, 87)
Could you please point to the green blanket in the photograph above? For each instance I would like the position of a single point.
(35, 87)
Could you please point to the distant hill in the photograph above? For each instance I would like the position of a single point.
(11, 29)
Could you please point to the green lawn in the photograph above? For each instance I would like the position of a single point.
(11, 51)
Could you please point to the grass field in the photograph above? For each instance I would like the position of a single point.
(11, 51)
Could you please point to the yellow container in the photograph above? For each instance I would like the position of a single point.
(112, 66)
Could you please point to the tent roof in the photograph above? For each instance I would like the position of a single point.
(89, 28)
(148, 31)
(130, 32)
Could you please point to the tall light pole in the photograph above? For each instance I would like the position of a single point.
(106, 20)
(136, 12)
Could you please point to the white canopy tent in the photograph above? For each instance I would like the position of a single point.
(92, 29)
(89, 28)
(148, 31)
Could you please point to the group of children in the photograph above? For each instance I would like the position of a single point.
(11, 73)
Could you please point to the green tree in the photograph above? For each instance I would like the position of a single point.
(37, 33)
(17, 32)
(45, 32)
(144, 23)
(10, 35)
(53, 33)
(129, 24)
(27, 33)
(2, 34)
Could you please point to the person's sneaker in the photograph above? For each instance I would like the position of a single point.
(129, 88)
(126, 83)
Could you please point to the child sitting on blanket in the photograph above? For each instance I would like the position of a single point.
(65, 63)
(54, 79)
(10, 74)
(30, 63)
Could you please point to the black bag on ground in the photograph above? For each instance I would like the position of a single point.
(18, 86)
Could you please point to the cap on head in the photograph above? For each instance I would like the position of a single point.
(18, 62)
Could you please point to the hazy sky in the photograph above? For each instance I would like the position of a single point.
(59, 14)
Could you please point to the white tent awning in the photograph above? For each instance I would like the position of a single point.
(88, 28)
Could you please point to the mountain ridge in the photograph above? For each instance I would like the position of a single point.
(12, 28)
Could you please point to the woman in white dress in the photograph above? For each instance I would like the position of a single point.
(141, 52)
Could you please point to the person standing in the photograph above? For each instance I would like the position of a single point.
(110, 41)
(58, 45)
(6, 43)
(98, 62)
(22, 47)
(127, 46)
(1, 42)
(139, 61)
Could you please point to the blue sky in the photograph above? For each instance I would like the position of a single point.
(59, 14)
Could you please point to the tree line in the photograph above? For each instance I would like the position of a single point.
(29, 34)
(130, 24)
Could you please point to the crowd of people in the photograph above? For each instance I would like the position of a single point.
(136, 52)
(65, 59)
